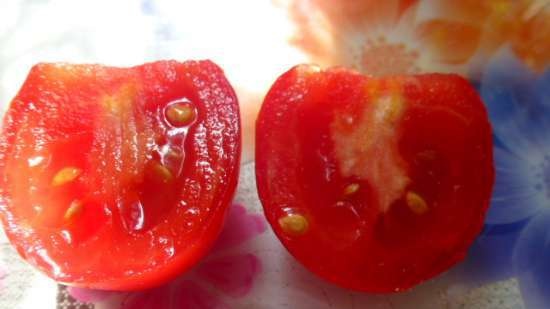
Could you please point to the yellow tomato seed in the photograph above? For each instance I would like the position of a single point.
(74, 209)
(66, 175)
(294, 224)
(162, 172)
(416, 203)
(180, 114)
(351, 189)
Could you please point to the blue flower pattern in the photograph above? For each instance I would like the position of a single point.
(516, 239)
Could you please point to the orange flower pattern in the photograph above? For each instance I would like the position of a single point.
(408, 36)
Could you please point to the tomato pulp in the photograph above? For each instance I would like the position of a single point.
(375, 184)
(118, 178)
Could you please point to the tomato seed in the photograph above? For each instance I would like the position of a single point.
(161, 172)
(416, 203)
(351, 189)
(74, 209)
(294, 224)
(180, 114)
(66, 175)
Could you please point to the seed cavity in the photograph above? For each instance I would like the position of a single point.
(416, 203)
(134, 216)
(294, 224)
(351, 189)
(75, 208)
(161, 172)
(66, 175)
(180, 114)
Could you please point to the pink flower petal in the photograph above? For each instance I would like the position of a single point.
(159, 298)
(176, 295)
(239, 227)
(191, 296)
(89, 295)
(233, 275)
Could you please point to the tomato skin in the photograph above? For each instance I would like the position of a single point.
(386, 216)
(146, 199)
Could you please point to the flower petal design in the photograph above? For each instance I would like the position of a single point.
(240, 226)
(471, 11)
(449, 41)
(515, 194)
(542, 89)
(176, 295)
(530, 40)
(490, 257)
(532, 261)
(532, 242)
(513, 96)
(88, 295)
(509, 90)
(517, 239)
(405, 5)
(349, 15)
(329, 31)
(190, 295)
(233, 275)
(159, 298)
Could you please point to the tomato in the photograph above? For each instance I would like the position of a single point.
(118, 178)
(375, 184)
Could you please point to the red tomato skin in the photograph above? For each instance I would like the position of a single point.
(66, 108)
(296, 172)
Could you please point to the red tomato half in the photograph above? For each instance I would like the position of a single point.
(374, 184)
(118, 178)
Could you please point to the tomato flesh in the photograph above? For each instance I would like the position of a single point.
(118, 178)
(375, 184)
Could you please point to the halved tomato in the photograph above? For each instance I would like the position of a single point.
(118, 178)
(375, 184)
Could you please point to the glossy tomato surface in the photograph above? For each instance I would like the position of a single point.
(375, 184)
(118, 178)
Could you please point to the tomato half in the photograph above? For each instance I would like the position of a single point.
(118, 178)
(375, 184)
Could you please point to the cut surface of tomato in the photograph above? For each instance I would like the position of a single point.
(118, 178)
(375, 184)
